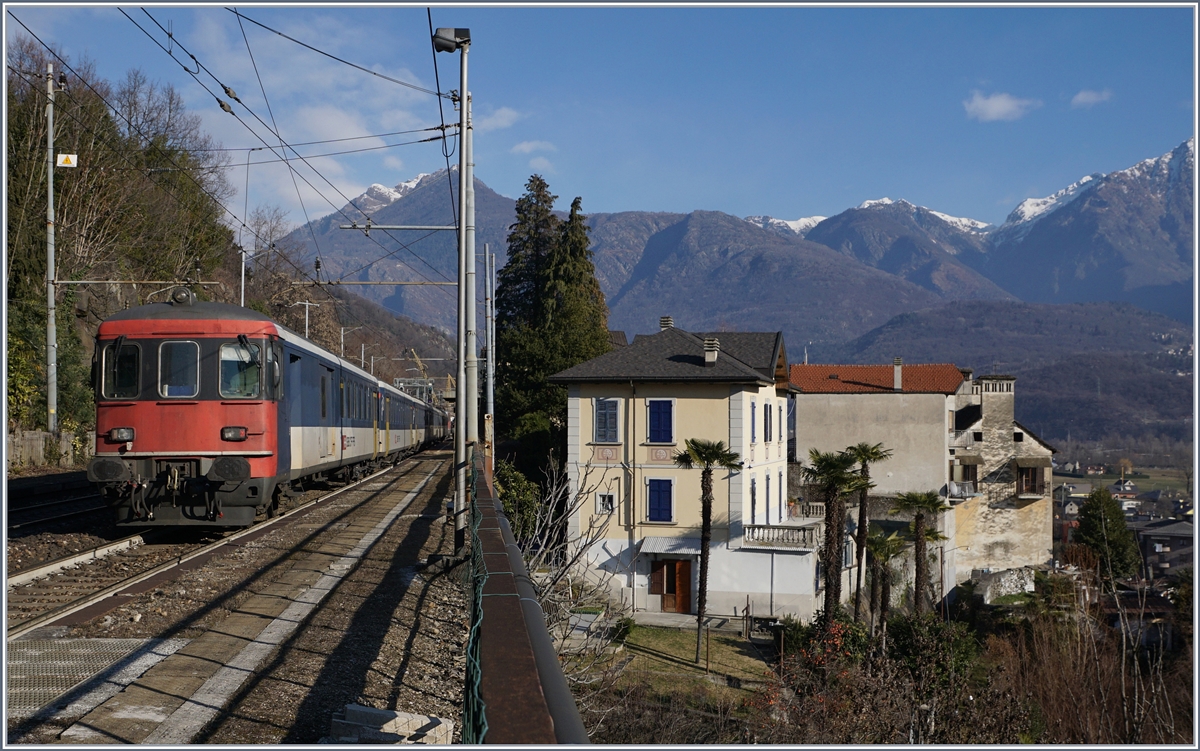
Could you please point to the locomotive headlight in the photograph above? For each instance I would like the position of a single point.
(120, 435)
(233, 434)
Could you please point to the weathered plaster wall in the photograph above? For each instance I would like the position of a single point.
(913, 426)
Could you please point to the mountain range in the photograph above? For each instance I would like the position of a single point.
(826, 282)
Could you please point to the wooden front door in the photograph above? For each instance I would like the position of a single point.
(672, 578)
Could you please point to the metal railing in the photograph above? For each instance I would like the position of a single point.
(802, 538)
(960, 489)
(961, 439)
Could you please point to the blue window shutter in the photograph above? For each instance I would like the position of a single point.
(659, 500)
(660, 422)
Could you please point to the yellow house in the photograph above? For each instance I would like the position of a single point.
(630, 411)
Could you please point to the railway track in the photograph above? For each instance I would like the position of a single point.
(393, 627)
(40, 596)
(23, 517)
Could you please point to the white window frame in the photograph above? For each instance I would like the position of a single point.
(646, 507)
(595, 422)
(674, 421)
(600, 510)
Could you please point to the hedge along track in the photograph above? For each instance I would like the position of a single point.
(39, 597)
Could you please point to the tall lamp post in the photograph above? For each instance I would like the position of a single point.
(451, 40)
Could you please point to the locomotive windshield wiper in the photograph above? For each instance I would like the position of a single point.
(245, 342)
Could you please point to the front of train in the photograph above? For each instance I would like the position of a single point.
(186, 413)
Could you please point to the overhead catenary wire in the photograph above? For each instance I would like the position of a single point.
(274, 129)
(335, 57)
(117, 112)
(194, 74)
(275, 126)
(441, 114)
(340, 140)
(133, 128)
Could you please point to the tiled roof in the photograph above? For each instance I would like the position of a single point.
(933, 378)
(677, 355)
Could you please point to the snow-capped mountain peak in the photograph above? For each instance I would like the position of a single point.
(379, 196)
(1023, 217)
(784, 226)
(963, 223)
(885, 201)
(960, 223)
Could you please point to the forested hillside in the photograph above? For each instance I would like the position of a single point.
(148, 203)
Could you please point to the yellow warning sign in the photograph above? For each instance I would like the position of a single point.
(67, 160)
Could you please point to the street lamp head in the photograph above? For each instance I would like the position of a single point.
(449, 40)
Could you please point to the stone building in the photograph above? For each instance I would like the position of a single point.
(951, 433)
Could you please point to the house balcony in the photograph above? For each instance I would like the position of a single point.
(961, 491)
(805, 512)
(961, 439)
(1030, 491)
(777, 537)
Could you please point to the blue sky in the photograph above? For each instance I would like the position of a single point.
(786, 111)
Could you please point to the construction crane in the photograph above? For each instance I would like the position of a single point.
(435, 395)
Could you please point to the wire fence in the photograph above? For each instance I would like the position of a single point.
(474, 711)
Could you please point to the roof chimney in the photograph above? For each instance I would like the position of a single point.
(666, 322)
(712, 347)
(897, 383)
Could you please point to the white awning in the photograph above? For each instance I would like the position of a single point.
(670, 545)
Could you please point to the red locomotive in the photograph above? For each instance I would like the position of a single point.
(207, 413)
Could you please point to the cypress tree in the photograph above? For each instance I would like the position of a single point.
(550, 315)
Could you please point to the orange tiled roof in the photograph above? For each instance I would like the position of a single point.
(931, 378)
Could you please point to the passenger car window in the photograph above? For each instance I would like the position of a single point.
(121, 372)
(179, 369)
(239, 371)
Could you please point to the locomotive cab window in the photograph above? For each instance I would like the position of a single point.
(240, 371)
(121, 372)
(179, 369)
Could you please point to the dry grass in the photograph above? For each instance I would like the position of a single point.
(670, 653)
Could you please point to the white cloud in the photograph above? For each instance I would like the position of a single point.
(998, 107)
(394, 163)
(501, 118)
(1089, 98)
(528, 147)
(542, 164)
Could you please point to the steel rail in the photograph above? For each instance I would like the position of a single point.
(63, 611)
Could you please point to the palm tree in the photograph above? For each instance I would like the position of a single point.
(921, 505)
(706, 455)
(866, 455)
(833, 474)
(882, 549)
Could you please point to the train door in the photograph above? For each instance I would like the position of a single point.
(387, 425)
(327, 430)
(375, 401)
(293, 391)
